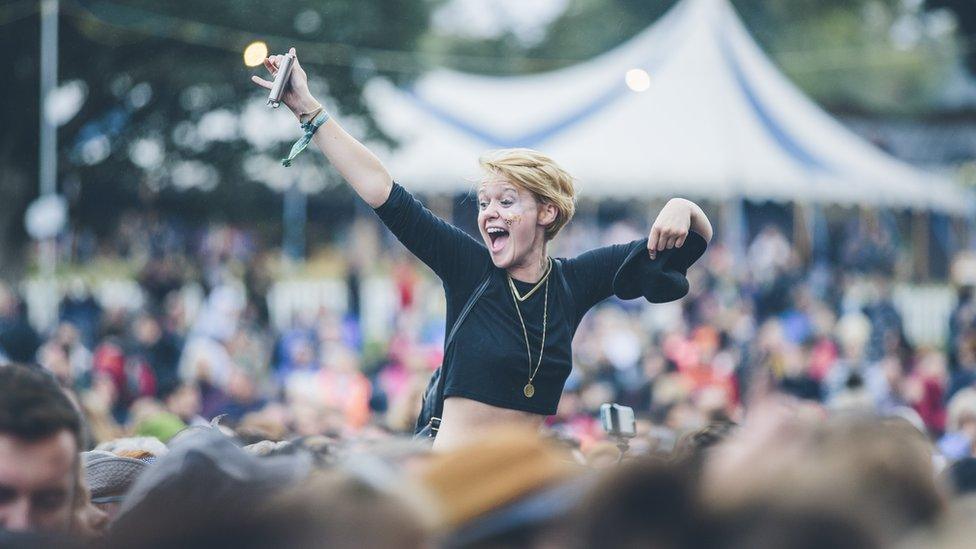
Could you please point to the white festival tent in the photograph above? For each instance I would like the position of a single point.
(717, 120)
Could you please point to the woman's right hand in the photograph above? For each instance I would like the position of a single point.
(296, 96)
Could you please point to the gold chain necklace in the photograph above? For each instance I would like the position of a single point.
(529, 389)
(545, 278)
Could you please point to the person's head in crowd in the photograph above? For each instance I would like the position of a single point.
(97, 403)
(302, 354)
(40, 437)
(53, 357)
(110, 476)
(241, 387)
(182, 399)
(322, 449)
(150, 445)
(206, 492)
(508, 488)
(67, 334)
(960, 437)
(261, 425)
(695, 446)
(880, 473)
(643, 503)
(147, 330)
(330, 509)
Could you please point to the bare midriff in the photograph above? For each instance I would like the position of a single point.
(464, 420)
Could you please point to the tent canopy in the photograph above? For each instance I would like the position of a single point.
(715, 119)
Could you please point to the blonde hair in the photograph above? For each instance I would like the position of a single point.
(538, 174)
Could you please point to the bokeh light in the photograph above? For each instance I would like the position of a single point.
(255, 53)
(637, 80)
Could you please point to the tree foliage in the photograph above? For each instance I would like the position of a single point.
(965, 13)
(153, 71)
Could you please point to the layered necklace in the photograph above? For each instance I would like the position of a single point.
(529, 389)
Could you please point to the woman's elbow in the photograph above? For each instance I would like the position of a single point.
(705, 228)
(700, 223)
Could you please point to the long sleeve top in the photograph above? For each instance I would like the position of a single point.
(488, 361)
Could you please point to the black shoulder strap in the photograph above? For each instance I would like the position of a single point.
(467, 309)
(439, 404)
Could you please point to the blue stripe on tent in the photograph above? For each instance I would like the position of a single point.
(531, 139)
(535, 137)
(452, 120)
(779, 134)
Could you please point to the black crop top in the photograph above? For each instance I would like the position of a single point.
(488, 361)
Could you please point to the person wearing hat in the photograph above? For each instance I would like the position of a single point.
(507, 489)
(512, 310)
(109, 477)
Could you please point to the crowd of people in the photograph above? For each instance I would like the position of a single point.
(780, 404)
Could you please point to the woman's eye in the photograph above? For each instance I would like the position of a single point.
(482, 205)
(507, 202)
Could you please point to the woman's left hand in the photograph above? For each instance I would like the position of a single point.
(671, 227)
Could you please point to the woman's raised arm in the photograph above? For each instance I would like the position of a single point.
(671, 227)
(357, 164)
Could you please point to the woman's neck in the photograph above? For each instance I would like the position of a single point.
(533, 268)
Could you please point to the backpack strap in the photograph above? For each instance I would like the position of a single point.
(467, 309)
(439, 403)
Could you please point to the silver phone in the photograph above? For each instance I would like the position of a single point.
(618, 421)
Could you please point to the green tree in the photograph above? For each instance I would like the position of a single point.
(965, 12)
(153, 71)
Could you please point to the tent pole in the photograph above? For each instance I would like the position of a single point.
(920, 244)
(733, 225)
(802, 234)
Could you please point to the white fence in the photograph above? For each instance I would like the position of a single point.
(925, 309)
(925, 312)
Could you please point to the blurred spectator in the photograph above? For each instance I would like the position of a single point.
(881, 474)
(959, 440)
(80, 309)
(157, 348)
(18, 340)
(507, 489)
(182, 399)
(109, 477)
(240, 398)
(40, 437)
(642, 504)
(203, 493)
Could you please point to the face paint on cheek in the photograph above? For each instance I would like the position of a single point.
(512, 219)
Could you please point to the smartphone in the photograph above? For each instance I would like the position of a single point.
(618, 421)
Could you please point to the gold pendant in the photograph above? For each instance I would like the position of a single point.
(529, 390)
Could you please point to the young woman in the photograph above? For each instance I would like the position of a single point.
(512, 353)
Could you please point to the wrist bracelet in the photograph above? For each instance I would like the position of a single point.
(310, 128)
(305, 117)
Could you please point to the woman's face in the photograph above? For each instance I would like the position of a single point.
(508, 219)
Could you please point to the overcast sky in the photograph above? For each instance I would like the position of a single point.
(491, 18)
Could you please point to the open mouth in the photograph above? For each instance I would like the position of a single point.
(498, 237)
